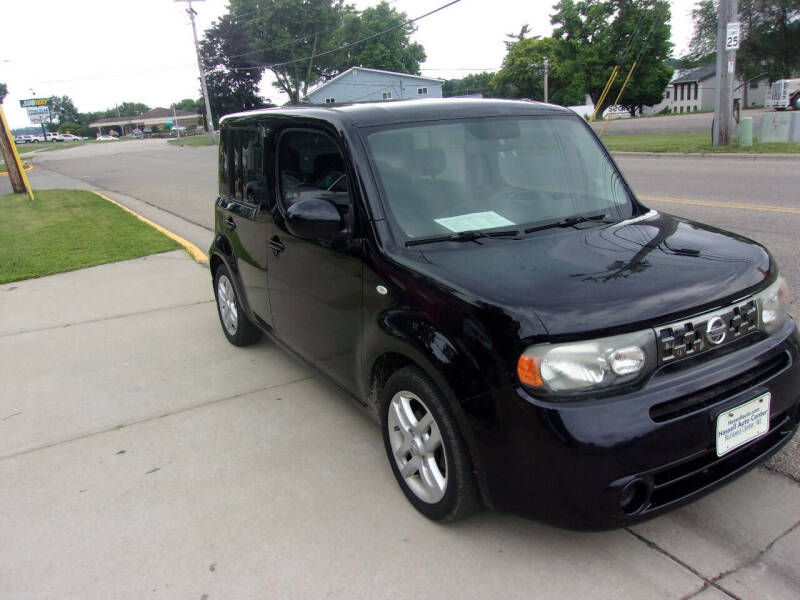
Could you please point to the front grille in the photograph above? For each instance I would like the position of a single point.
(678, 481)
(690, 337)
(719, 392)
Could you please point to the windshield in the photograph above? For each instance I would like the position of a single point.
(497, 172)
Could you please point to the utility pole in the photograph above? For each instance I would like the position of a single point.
(546, 78)
(175, 120)
(727, 44)
(209, 122)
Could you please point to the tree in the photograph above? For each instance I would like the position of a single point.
(599, 34)
(75, 129)
(295, 40)
(189, 105)
(3, 92)
(391, 51)
(232, 77)
(62, 109)
(513, 38)
(476, 83)
(522, 73)
(127, 109)
(770, 40)
(703, 45)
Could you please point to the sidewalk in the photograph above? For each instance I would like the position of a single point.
(141, 454)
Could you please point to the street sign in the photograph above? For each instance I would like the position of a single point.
(31, 102)
(732, 36)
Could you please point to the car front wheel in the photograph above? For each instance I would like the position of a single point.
(235, 324)
(425, 448)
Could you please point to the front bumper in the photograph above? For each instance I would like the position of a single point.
(609, 462)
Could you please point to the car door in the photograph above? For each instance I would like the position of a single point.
(242, 212)
(315, 285)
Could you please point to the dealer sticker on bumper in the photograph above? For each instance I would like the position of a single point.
(739, 425)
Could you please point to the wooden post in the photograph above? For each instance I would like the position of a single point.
(10, 157)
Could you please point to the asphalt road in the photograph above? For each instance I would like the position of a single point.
(680, 123)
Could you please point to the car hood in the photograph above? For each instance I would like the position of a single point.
(601, 277)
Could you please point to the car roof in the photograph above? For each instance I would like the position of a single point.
(404, 111)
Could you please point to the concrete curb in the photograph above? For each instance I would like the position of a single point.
(27, 169)
(696, 155)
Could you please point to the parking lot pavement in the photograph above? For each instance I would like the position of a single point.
(141, 454)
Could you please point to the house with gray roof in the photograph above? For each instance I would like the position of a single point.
(358, 84)
(693, 90)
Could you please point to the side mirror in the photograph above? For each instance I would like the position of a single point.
(313, 219)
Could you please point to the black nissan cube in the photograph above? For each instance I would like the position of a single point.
(479, 276)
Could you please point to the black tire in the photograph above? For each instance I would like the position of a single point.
(796, 102)
(239, 330)
(458, 497)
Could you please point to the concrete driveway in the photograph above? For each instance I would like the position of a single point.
(142, 455)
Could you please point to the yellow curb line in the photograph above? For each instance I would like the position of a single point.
(193, 250)
(28, 170)
(764, 207)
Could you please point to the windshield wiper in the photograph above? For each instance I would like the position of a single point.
(568, 222)
(463, 236)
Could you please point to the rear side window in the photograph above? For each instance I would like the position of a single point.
(241, 165)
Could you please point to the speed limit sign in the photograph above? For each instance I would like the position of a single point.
(732, 36)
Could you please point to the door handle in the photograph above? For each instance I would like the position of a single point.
(230, 224)
(277, 245)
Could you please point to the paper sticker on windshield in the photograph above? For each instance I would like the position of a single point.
(472, 221)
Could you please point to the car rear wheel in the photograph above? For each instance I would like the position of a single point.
(425, 448)
(235, 324)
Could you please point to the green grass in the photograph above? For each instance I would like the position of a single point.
(45, 146)
(194, 140)
(67, 230)
(688, 143)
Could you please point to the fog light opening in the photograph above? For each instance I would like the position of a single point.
(634, 497)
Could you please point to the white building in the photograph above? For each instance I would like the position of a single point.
(693, 90)
(358, 84)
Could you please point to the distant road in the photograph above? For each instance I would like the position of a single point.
(680, 123)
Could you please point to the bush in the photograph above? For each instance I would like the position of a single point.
(76, 129)
(154, 129)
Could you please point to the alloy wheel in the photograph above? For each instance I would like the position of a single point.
(226, 300)
(416, 443)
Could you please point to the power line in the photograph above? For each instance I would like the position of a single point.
(350, 44)
(186, 66)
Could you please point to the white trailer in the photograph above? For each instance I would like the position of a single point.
(783, 94)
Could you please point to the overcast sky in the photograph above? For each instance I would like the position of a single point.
(102, 52)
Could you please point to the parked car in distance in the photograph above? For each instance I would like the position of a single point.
(68, 137)
(25, 139)
(479, 276)
(105, 138)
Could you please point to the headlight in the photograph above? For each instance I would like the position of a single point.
(588, 365)
(773, 306)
